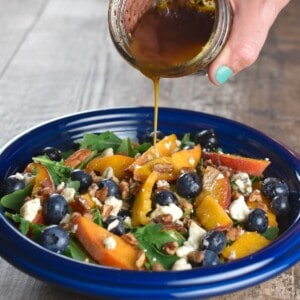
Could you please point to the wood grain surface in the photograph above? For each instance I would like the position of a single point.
(56, 58)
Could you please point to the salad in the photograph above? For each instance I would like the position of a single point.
(178, 205)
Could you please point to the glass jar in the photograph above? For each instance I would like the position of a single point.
(125, 16)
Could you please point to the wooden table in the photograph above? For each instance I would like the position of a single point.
(56, 58)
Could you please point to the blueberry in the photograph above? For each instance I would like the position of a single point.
(207, 139)
(214, 241)
(123, 214)
(55, 208)
(115, 225)
(280, 205)
(165, 197)
(10, 185)
(272, 186)
(112, 187)
(189, 185)
(53, 153)
(149, 137)
(84, 178)
(211, 258)
(257, 221)
(54, 238)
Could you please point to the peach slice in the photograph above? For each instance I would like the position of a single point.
(211, 215)
(162, 165)
(246, 244)
(143, 204)
(217, 185)
(165, 147)
(43, 184)
(119, 164)
(252, 166)
(94, 237)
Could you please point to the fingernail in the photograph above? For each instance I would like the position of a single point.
(222, 74)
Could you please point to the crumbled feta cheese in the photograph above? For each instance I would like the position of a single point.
(29, 178)
(242, 182)
(107, 152)
(19, 176)
(220, 176)
(181, 264)
(97, 202)
(196, 233)
(110, 243)
(115, 203)
(68, 194)
(108, 172)
(191, 161)
(239, 210)
(61, 186)
(127, 221)
(232, 255)
(171, 209)
(168, 145)
(66, 219)
(30, 209)
(162, 183)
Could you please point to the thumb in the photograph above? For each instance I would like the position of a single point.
(251, 23)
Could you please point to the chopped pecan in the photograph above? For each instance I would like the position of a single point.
(141, 259)
(124, 188)
(164, 219)
(101, 194)
(130, 239)
(157, 267)
(93, 188)
(234, 233)
(170, 248)
(163, 168)
(106, 210)
(196, 256)
(255, 196)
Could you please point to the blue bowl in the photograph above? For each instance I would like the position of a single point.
(122, 284)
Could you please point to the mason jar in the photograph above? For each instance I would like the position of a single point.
(127, 17)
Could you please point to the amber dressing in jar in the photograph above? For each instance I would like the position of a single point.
(168, 38)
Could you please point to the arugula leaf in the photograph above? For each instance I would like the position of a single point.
(97, 217)
(15, 200)
(57, 170)
(151, 238)
(271, 233)
(143, 147)
(186, 141)
(75, 250)
(25, 226)
(126, 148)
(100, 142)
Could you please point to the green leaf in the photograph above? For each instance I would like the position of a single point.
(25, 226)
(271, 233)
(186, 141)
(75, 250)
(151, 238)
(57, 170)
(15, 200)
(126, 148)
(97, 217)
(143, 147)
(100, 142)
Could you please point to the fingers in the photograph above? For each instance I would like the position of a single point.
(251, 23)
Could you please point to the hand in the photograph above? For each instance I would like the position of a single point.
(252, 20)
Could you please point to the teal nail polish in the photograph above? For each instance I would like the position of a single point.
(222, 74)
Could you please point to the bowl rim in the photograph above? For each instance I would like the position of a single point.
(203, 282)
